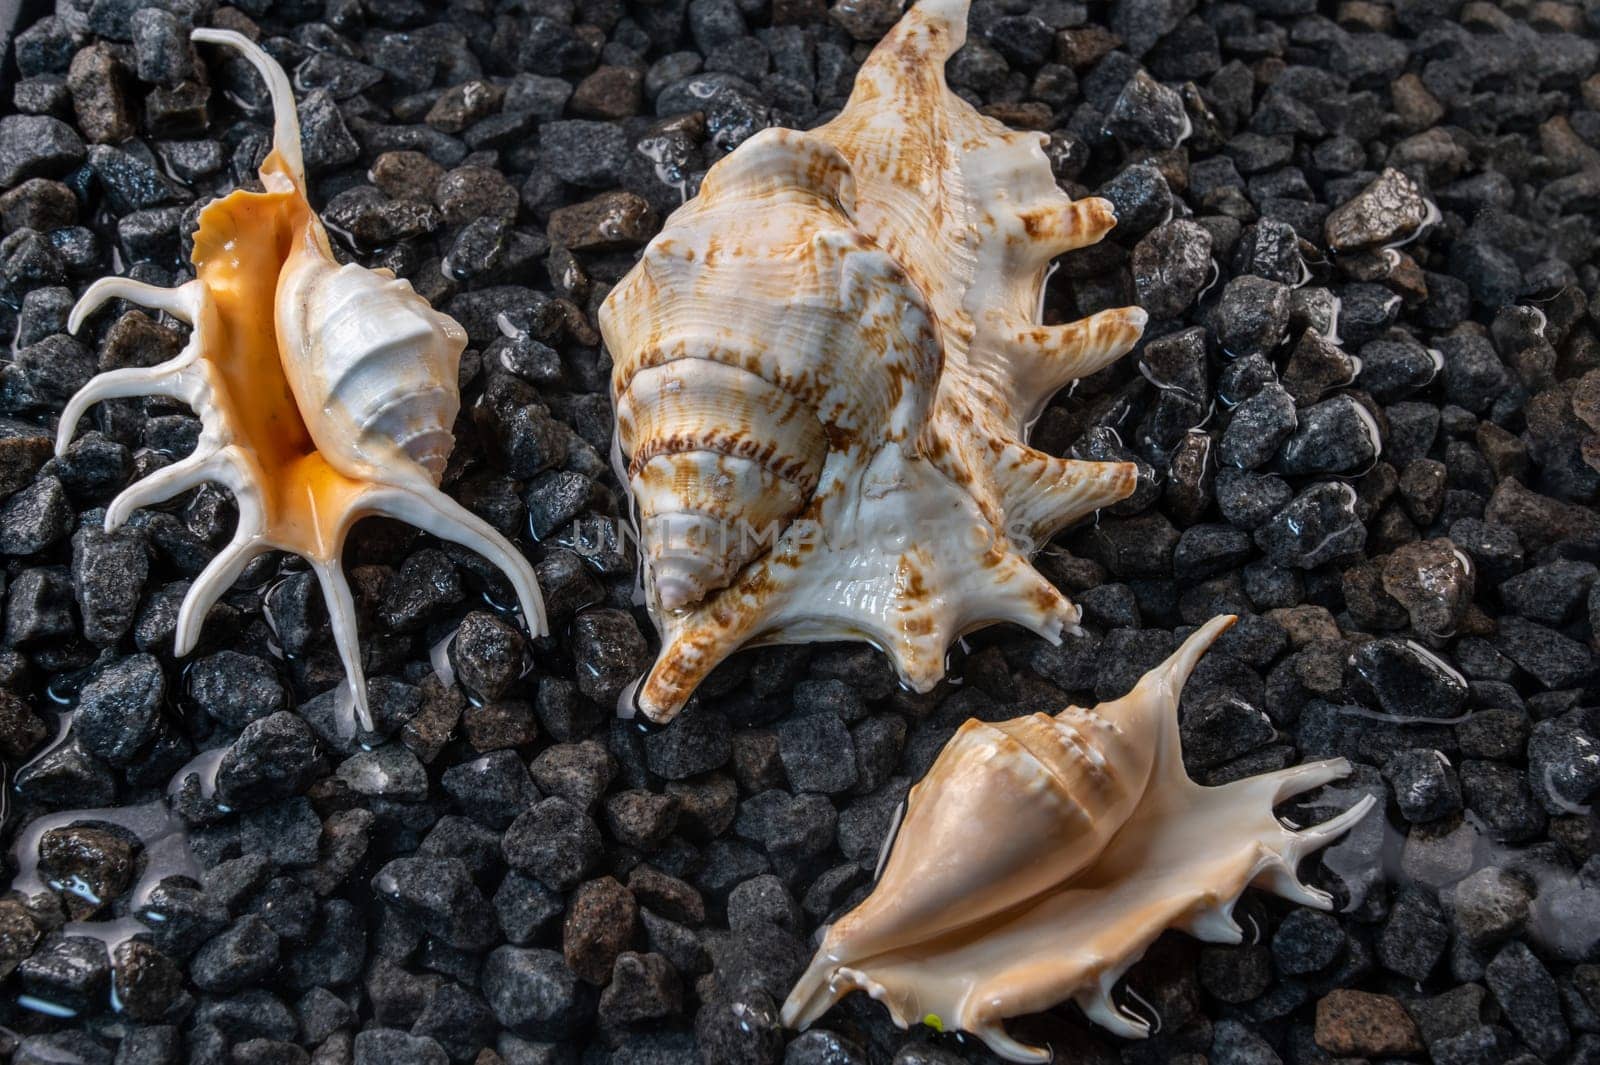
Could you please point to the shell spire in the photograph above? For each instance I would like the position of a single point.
(825, 368)
(326, 393)
(1040, 857)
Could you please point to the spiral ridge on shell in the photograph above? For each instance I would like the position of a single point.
(825, 369)
(326, 393)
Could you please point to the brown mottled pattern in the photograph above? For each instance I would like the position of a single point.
(885, 269)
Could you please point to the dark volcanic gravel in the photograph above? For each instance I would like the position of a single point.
(1366, 414)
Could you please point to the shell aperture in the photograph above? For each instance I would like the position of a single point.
(1040, 857)
(826, 366)
(326, 393)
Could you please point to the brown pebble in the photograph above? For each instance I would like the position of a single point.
(100, 97)
(1356, 1023)
(599, 926)
(608, 93)
(610, 221)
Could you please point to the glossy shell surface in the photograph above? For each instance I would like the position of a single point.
(1040, 857)
(825, 370)
(326, 392)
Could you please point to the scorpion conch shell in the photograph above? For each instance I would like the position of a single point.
(825, 369)
(1040, 857)
(326, 393)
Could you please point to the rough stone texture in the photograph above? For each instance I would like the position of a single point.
(413, 892)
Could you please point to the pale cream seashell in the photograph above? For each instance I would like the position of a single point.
(1040, 857)
(326, 393)
(826, 367)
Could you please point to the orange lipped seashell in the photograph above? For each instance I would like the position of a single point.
(326, 392)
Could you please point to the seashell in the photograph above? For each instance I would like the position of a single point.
(1040, 857)
(326, 393)
(825, 369)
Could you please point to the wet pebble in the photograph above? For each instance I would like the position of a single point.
(1338, 435)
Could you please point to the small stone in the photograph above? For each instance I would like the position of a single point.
(69, 971)
(1140, 196)
(1386, 211)
(97, 865)
(1306, 942)
(101, 98)
(533, 993)
(425, 586)
(609, 93)
(390, 772)
(461, 105)
(577, 772)
(1414, 937)
(1424, 783)
(390, 1046)
(817, 752)
(492, 790)
(235, 689)
(1234, 1044)
(37, 146)
(1271, 249)
(695, 742)
(119, 711)
(1316, 366)
(499, 725)
(584, 153)
(1338, 435)
(439, 894)
(610, 652)
(1553, 660)
(161, 50)
(610, 221)
(1502, 801)
(1528, 994)
(1550, 594)
(326, 141)
(865, 20)
(1563, 766)
(1318, 525)
(555, 842)
(1258, 426)
(600, 922)
(1409, 681)
(147, 983)
(741, 1026)
(1358, 1024)
(667, 895)
(1253, 316)
(1489, 907)
(21, 730)
(527, 910)
(109, 572)
(1395, 366)
(406, 175)
(245, 952)
(822, 1047)
(487, 655)
(1147, 114)
(1248, 499)
(273, 758)
(794, 830)
(35, 518)
(641, 819)
(1171, 264)
(544, 97)
(643, 988)
(1432, 581)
